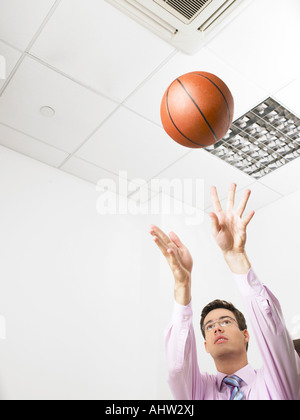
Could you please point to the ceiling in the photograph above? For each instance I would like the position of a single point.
(104, 75)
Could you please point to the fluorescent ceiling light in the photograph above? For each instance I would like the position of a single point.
(261, 141)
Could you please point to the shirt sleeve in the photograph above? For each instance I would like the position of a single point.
(281, 363)
(184, 377)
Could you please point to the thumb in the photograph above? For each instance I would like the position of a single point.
(214, 224)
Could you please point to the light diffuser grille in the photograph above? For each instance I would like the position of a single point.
(261, 141)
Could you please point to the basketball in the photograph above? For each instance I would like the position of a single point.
(197, 109)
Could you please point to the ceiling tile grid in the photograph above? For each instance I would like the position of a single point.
(102, 76)
(128, 142)
(31, 147)
(35, 86)
(11, 58)
(101, 47)
(20, 20)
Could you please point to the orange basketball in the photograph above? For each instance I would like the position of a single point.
(197, 109)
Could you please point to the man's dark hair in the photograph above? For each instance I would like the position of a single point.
(217, 304)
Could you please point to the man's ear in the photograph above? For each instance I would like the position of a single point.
(205, 345)
(246, 336)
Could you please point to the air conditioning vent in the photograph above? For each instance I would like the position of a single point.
(186, 24)
(215, 16)
(187, 10)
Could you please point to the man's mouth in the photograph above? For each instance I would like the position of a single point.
(220, 339)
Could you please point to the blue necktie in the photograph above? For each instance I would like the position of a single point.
(233, 382)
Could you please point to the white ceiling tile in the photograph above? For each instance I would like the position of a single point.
(196, 173)
(28, 146)
(100, 46)
(105, 180)
(78, 110)
(19, 20)
(127, 142)
(147, 99)
(261, 196)
(289, 96)
(11, 57)
(262, 43)
(87, 171)
(285, 180)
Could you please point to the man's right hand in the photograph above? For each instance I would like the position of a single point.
(179, 260)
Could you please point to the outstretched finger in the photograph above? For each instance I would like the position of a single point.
(214, 224)
(173, 261)
(169, 252)
(215, 199)
(161, 245)
(231, 197)
(155, 230)
(248, 218)
(241, 208)
(176, 240)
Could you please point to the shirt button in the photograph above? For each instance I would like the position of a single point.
(186, 317)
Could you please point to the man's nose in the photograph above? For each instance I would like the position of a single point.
(218, 328)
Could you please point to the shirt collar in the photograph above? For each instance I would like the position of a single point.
(247, 374)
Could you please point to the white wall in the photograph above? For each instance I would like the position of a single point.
(72, 290)
(86, 297)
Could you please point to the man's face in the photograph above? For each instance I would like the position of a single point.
(222, 334)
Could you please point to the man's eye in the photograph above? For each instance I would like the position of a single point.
(209, 327)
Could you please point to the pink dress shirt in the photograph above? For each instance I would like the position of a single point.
(278, 379)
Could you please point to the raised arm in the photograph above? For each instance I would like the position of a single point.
(281, 364)
(184, 377)
(179, 260)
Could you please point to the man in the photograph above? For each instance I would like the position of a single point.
(223, 326)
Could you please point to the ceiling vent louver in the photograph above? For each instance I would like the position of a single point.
(186, 24)
(186, 10)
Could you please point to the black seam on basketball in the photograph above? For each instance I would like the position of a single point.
(227, 106)
(195, 103)
(167, 104)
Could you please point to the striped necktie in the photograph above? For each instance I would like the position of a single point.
(233, 382)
